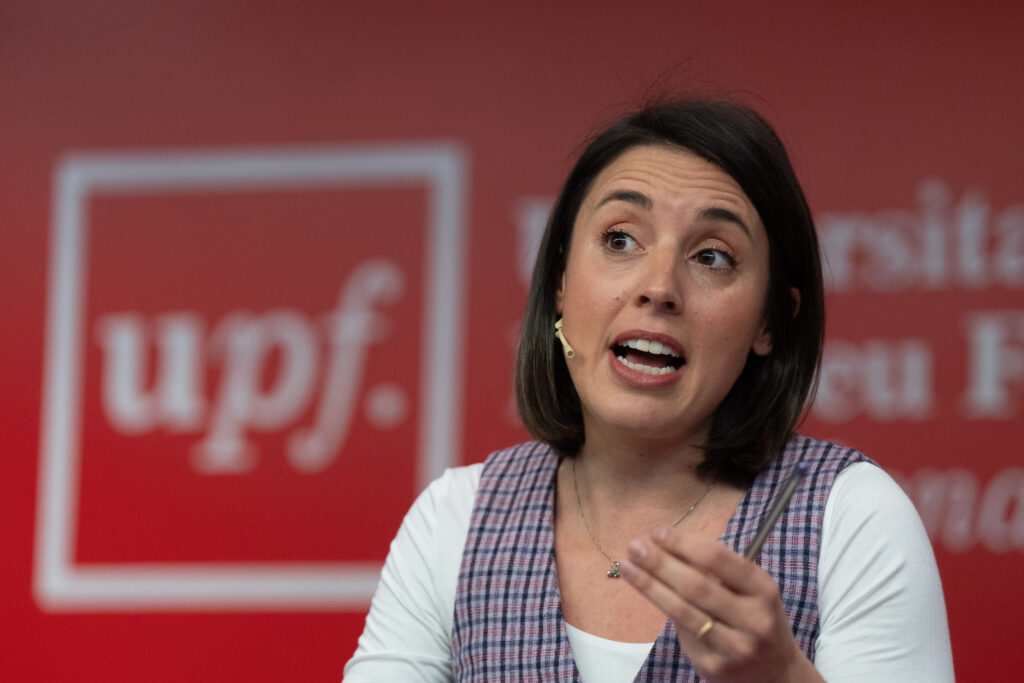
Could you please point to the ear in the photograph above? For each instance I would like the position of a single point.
(763, 344)
(558, 295)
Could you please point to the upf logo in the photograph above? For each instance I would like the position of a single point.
(244, 344)
(249, 355)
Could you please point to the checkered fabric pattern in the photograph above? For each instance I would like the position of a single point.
(508, 616)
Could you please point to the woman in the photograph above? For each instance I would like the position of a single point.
(671, 337)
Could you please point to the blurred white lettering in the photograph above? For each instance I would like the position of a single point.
(245, 347)
(886, 380)
(995, 363)
(942, 246)
(244, 344)
(351, 330)
(959, 513)
(1002, 512)
(175, 400)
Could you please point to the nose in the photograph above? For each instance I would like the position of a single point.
(662, 286)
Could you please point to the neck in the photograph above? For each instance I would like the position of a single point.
(649, 485)
(610, 511)
(639, 460)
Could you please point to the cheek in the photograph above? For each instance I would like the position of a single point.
(588, 294)
(728, 323)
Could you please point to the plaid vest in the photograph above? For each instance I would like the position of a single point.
(508, 623)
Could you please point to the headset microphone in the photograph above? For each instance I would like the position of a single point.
(566, 348)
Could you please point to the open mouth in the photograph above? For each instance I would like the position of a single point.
(648, 357)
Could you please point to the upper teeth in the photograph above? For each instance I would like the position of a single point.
(650, 347)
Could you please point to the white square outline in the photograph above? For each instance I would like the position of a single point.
(60, 585)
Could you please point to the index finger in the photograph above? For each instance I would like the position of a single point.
(711, 557)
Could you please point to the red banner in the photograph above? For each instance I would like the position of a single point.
(263, 270)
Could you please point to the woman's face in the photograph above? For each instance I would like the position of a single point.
(662, 296)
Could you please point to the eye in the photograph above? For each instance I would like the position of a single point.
(715, 258)
(617, 240)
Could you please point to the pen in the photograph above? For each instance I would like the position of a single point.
(778, 506)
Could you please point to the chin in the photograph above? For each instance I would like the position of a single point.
(660, 432)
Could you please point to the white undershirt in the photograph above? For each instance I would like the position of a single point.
(600, 659)
(880, 607)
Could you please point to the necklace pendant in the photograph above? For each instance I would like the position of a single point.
(613, 573)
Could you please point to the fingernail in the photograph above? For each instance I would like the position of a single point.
(660, 534)
(637, 550)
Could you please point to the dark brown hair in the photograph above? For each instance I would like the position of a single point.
(761, 411)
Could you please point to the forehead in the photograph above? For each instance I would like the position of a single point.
(669, 177)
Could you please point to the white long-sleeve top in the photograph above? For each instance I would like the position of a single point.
(881, 613)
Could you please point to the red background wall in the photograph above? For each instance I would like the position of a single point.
(903, 120)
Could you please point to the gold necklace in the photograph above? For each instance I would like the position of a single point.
(613, 572)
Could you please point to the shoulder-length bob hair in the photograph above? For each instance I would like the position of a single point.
(761, 411)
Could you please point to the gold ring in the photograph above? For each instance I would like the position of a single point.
(705, 628)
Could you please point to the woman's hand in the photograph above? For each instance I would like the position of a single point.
(726, 610)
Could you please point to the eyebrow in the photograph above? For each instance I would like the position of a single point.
(639, 199)
(630, 197)
(717, 213)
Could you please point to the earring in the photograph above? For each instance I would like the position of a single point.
(566, 348)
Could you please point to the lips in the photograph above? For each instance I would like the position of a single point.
(648, 353)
